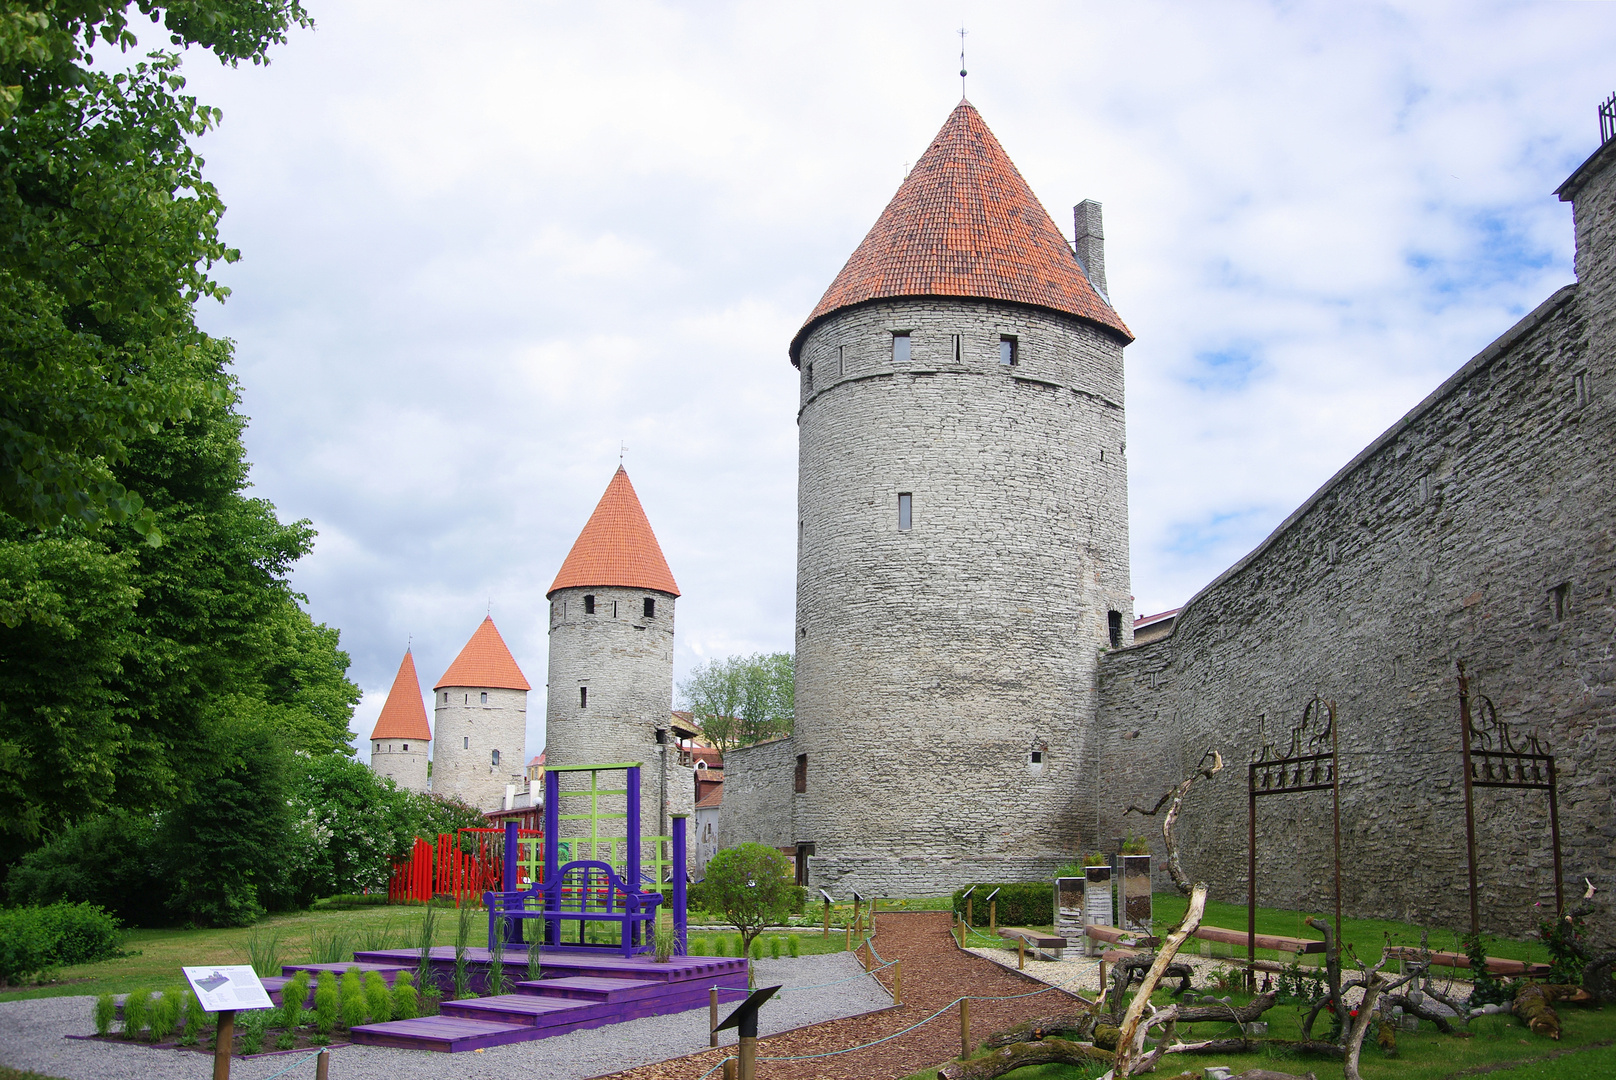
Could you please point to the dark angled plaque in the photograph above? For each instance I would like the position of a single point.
(745, 1014)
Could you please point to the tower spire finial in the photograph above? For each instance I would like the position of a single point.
(962, 33)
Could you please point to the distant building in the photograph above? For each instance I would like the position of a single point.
(481, 709)
(401, 741)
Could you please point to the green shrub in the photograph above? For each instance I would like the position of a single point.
(136, 1012)
(719, 948)
(774, 948)
(355, 1007)
(325, 1003)
(406, 1004)
(293, 995)
(253, 1026)
(165, 1015)
(264, 952)
(110, 860)
(35, 939)
(106, 1011)
(1020, 903)
(379, 998)
(794, 943)
(330, 946)
(195, 1017)
(757, 948)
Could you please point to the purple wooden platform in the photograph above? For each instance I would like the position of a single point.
(578, 991)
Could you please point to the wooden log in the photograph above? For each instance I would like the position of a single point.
(1244, 1014)
(1008, 1058)
(1496, 965)
(1253, 1046)
(1075, 1026)
(1532, 1005)
(1264, 941)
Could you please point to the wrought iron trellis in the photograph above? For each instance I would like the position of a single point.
(1307, 766)
(1492, 759)
(1607, 120)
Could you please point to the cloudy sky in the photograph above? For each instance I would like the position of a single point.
(487, 245)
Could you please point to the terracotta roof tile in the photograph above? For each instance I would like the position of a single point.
(485, 661)
(403, 715)
(617, 547)
(965, 223)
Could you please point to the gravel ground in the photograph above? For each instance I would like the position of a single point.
(31, 1037)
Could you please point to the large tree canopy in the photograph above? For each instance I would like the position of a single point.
(149, 638)
(741, 700)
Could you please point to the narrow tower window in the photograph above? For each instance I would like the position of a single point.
(465, 742)
(589, 603)
(583, 697)
(841, 360)
(1557, 599)
(378, 748)
(900, 346)
(1007, 350)
(799, 782)
(906, 510)
(406, 748)
(1114, 619)
(959, 349)
(496, 757)
(446, 697)
(650, 608)
(808, 375)
(1579, 387)
(485, 697)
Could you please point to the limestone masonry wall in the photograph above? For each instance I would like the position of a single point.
(935, 662)
(1479, 528)
(402, 762)
(759, 806)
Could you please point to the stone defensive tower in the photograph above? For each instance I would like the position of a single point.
(611, 654)
(480, 707)
(962, 534)
(401, 739)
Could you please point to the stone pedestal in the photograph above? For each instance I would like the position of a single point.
(1069, 910)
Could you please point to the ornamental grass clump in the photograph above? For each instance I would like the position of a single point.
(379, 998)
(794, 944)
(429, 927)
(165, 1015)
(293, 995)
(136, 1011)
(325, 1004)
(195, 1018)
(355, 1007)
(106, 1011)
(462, 975)
(774, 948)
(494, 978)
(406, 1004)
(535, 962)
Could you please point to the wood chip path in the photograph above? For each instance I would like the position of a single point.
(935, 973)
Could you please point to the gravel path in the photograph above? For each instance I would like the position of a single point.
(935, 973)
(31, 1037)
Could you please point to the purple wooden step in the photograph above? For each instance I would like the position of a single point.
(677, 969)
(446, 1034)
(387, 971)
(524, 1009)
(591, 988)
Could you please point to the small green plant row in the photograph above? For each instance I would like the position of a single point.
(719, 945)
(348, 1002)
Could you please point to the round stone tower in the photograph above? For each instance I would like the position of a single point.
(401, 739)
(480, 706)
(610, 682)
(962, 532)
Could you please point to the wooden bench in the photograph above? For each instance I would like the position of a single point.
(1050, 945)
(1117, 936)
(1496, 965)
(584, 891)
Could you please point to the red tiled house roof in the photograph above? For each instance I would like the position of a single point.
(485, 661)
(403, 715)
(617, 547)
(965, 223)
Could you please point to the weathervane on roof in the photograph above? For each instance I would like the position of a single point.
(622, 448)
(962, 33)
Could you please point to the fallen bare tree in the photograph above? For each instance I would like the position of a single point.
(1019, 1055)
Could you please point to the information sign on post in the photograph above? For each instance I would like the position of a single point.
(226, 989)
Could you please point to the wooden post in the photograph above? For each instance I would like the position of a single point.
(322, 1066)
(1021, 954)
(712, 1017)
(729, 1069)
(748, 1057)
(965, 1028)
(874, 900)
(224, 1036)
(856, 913)
(848, 947)
(897, 982)
(968, 902)
(993, 917)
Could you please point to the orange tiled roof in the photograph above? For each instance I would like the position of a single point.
(617, 547)
(965, 223)
(485, 661)
(403, 715)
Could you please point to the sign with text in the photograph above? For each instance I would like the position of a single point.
(227, 988)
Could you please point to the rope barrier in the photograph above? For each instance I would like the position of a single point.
(293, 1065)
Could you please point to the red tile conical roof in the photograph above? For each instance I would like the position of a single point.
(403, 715)
(617, 547)
(485, 661)
(965, 223)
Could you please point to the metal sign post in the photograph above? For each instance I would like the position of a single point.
(744, 1018)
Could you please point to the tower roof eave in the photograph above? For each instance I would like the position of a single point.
(616, 547)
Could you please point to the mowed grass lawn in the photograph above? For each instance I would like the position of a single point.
(155, 956)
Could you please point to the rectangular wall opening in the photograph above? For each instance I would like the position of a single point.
(799, 780)
(900, 346)
(906, 510)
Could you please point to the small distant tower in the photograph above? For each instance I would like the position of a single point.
(480, 706)
(399, 744)
(611, 654)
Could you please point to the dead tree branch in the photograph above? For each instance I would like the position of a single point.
(1211, 763)
(1130, 1040)
(1008, 1058)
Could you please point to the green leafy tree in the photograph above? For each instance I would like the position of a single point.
(741, 700)
(108, 232)
(752, 887)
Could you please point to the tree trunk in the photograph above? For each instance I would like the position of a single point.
(1130, 1040)
(1075, 1026)
(1007, 1058)
(1532, 1006)
(1244, 1014)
